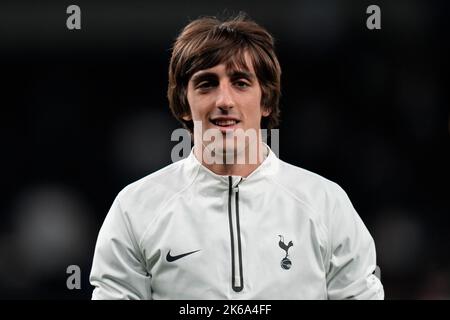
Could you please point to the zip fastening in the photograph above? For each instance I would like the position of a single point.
(237, 278)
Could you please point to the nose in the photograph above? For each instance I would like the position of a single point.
(224, 99)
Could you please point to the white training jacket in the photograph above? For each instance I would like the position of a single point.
(185, 232)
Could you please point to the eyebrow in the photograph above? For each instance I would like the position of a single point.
(203, 75)
(241, 74)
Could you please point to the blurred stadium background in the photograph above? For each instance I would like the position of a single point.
(84, 113)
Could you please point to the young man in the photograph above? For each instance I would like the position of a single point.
(231, 221)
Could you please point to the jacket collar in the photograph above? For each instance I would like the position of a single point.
(194, 167)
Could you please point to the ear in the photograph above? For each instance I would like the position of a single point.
(266, 111)
(187, 117)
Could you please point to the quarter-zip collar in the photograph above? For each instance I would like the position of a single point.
(202, 174)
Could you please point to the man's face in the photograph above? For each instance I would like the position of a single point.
(225, 100)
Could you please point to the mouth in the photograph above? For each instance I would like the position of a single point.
(225, 123)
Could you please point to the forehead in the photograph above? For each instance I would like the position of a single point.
(234, 64)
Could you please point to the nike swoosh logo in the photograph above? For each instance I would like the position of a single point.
(170, 258)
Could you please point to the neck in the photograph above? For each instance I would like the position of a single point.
(233, 168)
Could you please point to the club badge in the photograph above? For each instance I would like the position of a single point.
(285, 262)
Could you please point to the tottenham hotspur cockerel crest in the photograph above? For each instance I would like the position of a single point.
(285, 262)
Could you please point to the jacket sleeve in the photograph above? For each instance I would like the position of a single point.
(352, 257)
(118, 271)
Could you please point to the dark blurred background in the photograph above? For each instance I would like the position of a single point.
(84, 113)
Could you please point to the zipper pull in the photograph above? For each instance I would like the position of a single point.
(236, 188)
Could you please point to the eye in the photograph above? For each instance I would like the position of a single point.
(205, 85)
(242, 84)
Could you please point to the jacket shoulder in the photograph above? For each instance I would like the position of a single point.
(167, 179)
(315, 191)
(143, 199)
